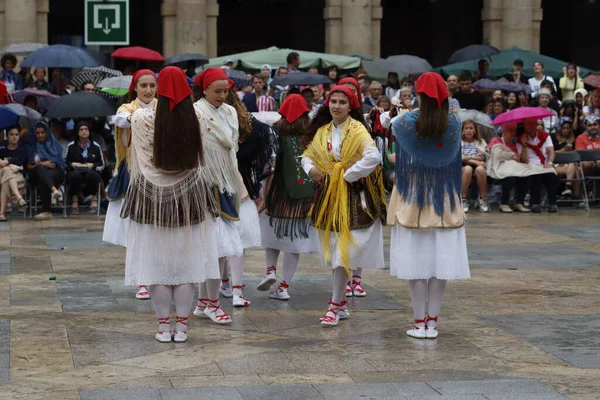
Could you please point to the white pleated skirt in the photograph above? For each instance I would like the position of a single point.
(115, 228)
(366, 251)
(429, 253)
(249, 225)
(299, 245)
(171, 256)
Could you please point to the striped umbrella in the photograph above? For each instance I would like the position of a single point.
(94, 75)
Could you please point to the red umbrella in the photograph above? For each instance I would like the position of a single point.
(138, 53)
(592, 80)
(520, 114)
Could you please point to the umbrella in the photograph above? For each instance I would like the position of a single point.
(8, 117)
(592, 80)
(181, 60)
(137, 53)
(482, 120)
(239, 78)
(405, 65)
(43, 97)
(300, 79)
(520, 114)
(60, 56)
(22, 49)
(116, 82)
(473, 52)
(81, 105)
(502, 84)
(94, 75)
(267, 117)
(27, 116)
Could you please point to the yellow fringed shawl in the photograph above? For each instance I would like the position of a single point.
(122, 151)
(332, 214)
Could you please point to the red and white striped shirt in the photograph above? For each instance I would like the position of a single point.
(265, 103)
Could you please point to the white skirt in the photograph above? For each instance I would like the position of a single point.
(171, 256)
(115, 228)
(299, 245)
(429, 253)
(249, 225)
(366, 251)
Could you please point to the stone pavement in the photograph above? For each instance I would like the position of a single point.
(524, 327)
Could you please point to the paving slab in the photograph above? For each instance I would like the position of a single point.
(284, 392)
(531, 257)
(584, 232)
(497, 388)
(4, 350)
(75, 240)
(122, 394)
(212, 393)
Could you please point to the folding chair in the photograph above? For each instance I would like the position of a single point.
(573, 157)
(591, 156)
(98, 197)
(33, 200)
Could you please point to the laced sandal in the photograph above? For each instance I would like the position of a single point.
(180, 336)
(216, 313)
(93, 206)
(281, 293)
(142, 293)
(163, 336)
(331, 317)
(344, 313)
(431, 332)
(417, 331)
(22, 202)
(269, 280)
(225, 290)
(357, 288)
(200, 307)
(349, 289)
(3, 218)
(240, 300)
(75, 208)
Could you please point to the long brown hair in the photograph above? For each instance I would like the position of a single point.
(433, 118)
(299, 127)
(177, 140)
(477, 135)
(245, 126)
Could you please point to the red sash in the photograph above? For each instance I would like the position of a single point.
(538, 147)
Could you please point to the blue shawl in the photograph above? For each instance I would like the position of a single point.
(50, 150)
(428, 168)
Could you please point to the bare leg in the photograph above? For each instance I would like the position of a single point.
(481, 176)
(467, 177)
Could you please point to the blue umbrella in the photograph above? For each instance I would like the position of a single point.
(300, 79)
(8, 117)
(60, 56)
(28, 117)
(240, 78)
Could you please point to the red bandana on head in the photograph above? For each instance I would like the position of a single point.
(138, 75)
(172, 84)
(353, 82)
(434, 86)
(294, 106)
(211, 75)
(348, 92)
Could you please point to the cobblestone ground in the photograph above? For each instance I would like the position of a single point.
(524, 327)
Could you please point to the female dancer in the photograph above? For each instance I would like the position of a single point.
(170, 237)
(350, 200)
(219, 126)
(289, 196)
(142, 94)
(428, 244)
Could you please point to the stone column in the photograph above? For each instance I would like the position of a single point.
(20, 21)
(192, 27)
(508, 23)
(43, 8)
(538, 16)
(333, 26)
(212, 14)
(2, 5)
(356, 26)
(169, 13)
(376, 17)
(491, 15)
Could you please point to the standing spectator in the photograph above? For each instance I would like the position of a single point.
(474, 153)
(59, 83)
(393, 85)
(550, 123)
(13, 159)
(293, 61)
(569, 82)
(84, 165)
(467, 96)
(267, 73)
(498, 95)
(278, 91)
(258, 100)
(483, 68)
(40, 82)
(536, 81)
(58, 129)
(512, 101)
(333, 74)
(593, 105)
(88, 87)
(313, 70)
(11, 79)
(31, 102)
(26, 77)
(365, 83)
(517, 73)
(309, 97)
(375, 90)
(498, 108)
(46, 167)
(452, 83)
(384, 103)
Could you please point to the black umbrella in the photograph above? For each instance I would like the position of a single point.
(300, 79)
(182, 60)
(473, 52)
(81, 105)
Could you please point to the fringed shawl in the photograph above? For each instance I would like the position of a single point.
(164, 199)
(220, 147)
(428, 169)
(256, 155)
(332, 213)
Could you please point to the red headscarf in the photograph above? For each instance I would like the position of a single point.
(354, 83)
(434, 86)
(348, 92)
(172, 83)
(211, 75)
(293, 107)
(138, 75)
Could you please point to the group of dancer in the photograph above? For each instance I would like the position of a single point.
(198, 180)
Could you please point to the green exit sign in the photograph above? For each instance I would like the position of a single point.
(107, 22)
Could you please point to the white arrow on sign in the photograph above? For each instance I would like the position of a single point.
(105, 28)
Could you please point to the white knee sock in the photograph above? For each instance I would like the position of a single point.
(340, 278)
(357, 271)
(184, 298)
(437, 288)
(290, 265)
(271, 257)
(418, 296)
(212, 289)
(225, 272)
(161, 296)
(208, 293)
(237, 271)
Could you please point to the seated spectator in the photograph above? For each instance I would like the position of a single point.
(258, 100)
(404, 99)
(84, 165)
(393, 85)
(540, 152)
(365, 83)
(375, 90)
(498, 107)
(452, 83)
(59, 83)
(564, 141)
(45, 166)
(593, 104)
(507, 162)
(474, 154)
(569, 82)
(333, 73)
(58, 128)
(13, 159)
(498, 95)
(523, 99)
(384, 103)
(570, 110)
(511, 101)
(580, 99)
(40, 82)
(31, 102)
(589, 140)
(467, 96)
(550, 123)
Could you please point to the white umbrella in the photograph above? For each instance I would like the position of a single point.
(27, 116)
(116, 82)
(22, 49)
